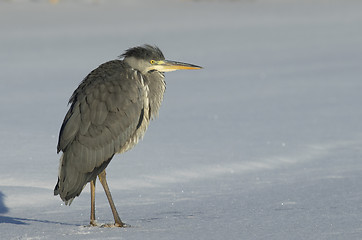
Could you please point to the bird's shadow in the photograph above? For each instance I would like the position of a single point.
(27, 221)
(12, 220)
(21, 221)
(5, 209)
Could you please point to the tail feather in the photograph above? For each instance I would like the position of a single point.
(71, 181)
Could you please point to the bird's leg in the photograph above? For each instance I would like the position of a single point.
(93, 203)
(117, 220)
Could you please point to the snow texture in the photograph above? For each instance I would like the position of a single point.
(264, 143)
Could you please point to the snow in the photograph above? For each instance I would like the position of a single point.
(264, 143)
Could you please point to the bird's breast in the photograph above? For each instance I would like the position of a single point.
(144, 115)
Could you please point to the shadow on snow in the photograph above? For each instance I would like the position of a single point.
(24, 221)
(21, 221)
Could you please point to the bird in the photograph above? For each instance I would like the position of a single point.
(109, 113)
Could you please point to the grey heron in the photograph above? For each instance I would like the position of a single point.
(109, 112)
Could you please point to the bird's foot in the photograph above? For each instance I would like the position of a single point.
(107, 225)
(93, 223)
(111, 225)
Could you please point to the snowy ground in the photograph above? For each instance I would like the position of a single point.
(264, 143)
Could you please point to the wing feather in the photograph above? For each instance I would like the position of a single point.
(103, 116)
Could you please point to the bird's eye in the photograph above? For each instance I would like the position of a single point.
(152, 61)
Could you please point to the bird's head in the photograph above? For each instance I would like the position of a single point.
(148, 58)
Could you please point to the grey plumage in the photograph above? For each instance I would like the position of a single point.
(109, 112)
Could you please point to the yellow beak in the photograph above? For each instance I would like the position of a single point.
(168, 66)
